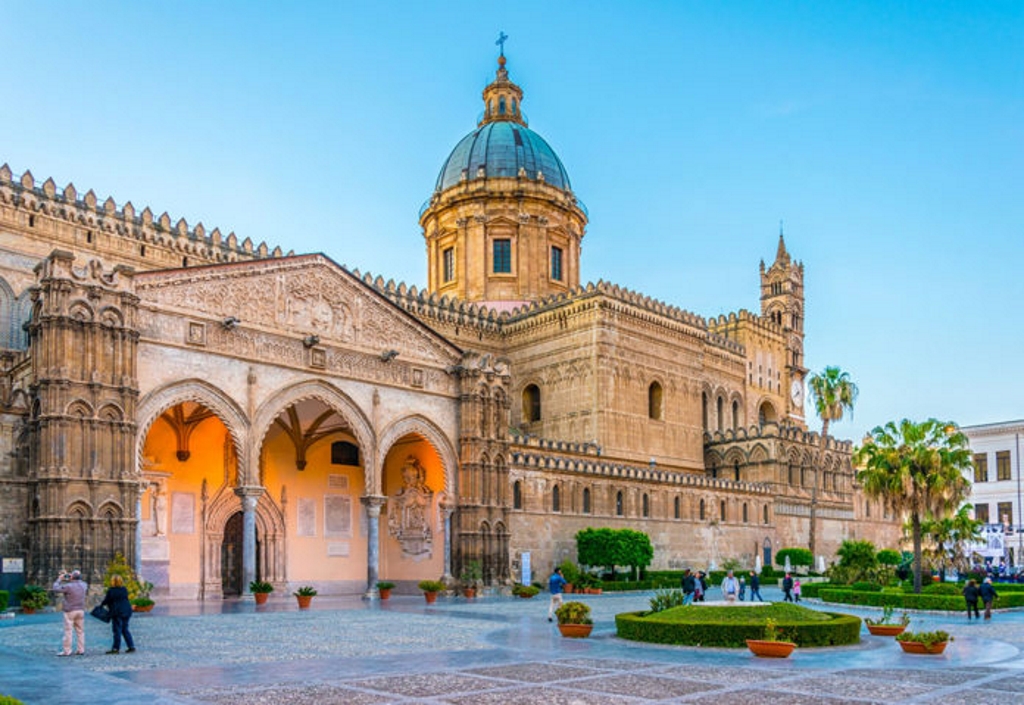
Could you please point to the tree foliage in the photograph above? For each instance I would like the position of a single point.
(797, 556)
(608, 548)
(857, 561)
(917, 469)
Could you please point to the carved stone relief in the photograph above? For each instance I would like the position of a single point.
(410, 511)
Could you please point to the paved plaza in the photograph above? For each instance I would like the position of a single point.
(489, 650)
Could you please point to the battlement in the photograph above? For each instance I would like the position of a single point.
(142, 226)
(736, 319)
(780, 431)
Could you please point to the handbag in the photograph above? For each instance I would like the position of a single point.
(101, 613)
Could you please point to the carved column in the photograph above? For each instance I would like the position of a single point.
(249, 496)
(447, 507)
(373, 503)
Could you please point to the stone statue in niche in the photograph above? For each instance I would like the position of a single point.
(409, 511)
(158, 508)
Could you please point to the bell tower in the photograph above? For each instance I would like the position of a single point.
(782, 303)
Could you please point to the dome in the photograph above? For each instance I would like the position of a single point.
(502, 148)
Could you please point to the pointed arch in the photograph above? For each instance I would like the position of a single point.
(422, 426)
(156, 402)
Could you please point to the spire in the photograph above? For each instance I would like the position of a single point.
(780, 254)
(502, 97)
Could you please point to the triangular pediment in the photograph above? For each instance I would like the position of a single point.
(307, 295)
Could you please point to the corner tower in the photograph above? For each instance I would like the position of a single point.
(503, 226)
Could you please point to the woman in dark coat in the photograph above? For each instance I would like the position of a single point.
(116, 600)
(971, 596)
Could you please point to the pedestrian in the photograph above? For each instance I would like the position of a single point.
(796, 590)
(755, 587)
(743, 589)
(702, 586)
(689, 586)
(116, 600)
(73, 588)
(730, 587)
(556, 586)
(988, 594)
(787, 587)
(970, 593)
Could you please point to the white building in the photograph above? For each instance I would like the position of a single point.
(996, 482)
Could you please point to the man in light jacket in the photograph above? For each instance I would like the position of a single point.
(730, 587)
(74, 589)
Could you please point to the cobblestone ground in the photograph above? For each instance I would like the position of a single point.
(491, 650)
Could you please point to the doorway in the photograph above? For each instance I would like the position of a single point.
(231, 556)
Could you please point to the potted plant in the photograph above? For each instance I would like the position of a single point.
(472, 575)
(385, 588)
(887, 625)
(261, 590)
(305, 595)
(525, 591)
(924, 642)
(771, 645)
(574, 620)
(32, 598)
(142, 602)
(571, 574)
(430, 589)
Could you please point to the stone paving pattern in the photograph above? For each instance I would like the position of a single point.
(488, 650)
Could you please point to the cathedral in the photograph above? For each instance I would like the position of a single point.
(220, 412)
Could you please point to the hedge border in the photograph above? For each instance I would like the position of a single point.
(843, 629)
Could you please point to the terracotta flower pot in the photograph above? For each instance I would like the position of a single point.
(142, 608)
(28, 610)
(886, 629)
(575, 631)
(469, 592)
(261, 597)
(304, 601)
(916, 647)
(568, 588)
(770, 649)
(430, 597)
(385, 593)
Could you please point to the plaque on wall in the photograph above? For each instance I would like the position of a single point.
(183, 513)
(337, 515)
(338, 549)
(337, 482)
(306, 519)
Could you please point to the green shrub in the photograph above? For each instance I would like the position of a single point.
(33, 597)
(305, 591)
(929, 639)
(5, 598)
(8, 700)
(574, 613)
(525, 590)
(731, 627)
(430, 585)
(624, 586)
(867, 587)
(570, 571)
(797, 556)
(261, 586)
(942, 589)
(665, 599)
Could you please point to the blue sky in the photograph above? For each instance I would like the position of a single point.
(888, 136)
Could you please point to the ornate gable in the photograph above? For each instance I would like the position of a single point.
(300, 296)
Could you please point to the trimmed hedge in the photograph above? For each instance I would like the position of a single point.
(669, 627)
(910, 601)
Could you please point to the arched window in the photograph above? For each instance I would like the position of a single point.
(676, 503)
(766, 414)
(646, 505)
(791, 473)
(654, 401)
(702, 510)
(736, 470)
(867, 508)
(721, 506)
(531, 403)
(704, 410)
(720, 417)
(586, 500)
(517, 495)
(618, 504)
(501, 105)
(766, 514)
(735, 414)
(745, 519)
(556, 499)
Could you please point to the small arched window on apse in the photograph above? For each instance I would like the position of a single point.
(745, 519)
(735, 414)
(654, 401)
(720, 417)
(531, 403)
(556, 499)
(736, 470)
(517, 495)
(702, 511)
(721, 507)
(676, 507)
(619, 509)
(586, 500)
(646, 505)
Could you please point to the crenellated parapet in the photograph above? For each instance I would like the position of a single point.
(774, 431)
(146, 241)
(727, 323)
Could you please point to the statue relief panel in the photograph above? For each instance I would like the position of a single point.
(410, 510)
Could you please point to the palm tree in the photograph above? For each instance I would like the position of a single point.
(833, 394)
(917, 469)
(951, 534)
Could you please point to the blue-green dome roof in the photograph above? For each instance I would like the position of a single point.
(502, 148)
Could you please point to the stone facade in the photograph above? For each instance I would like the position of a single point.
(220, 412)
